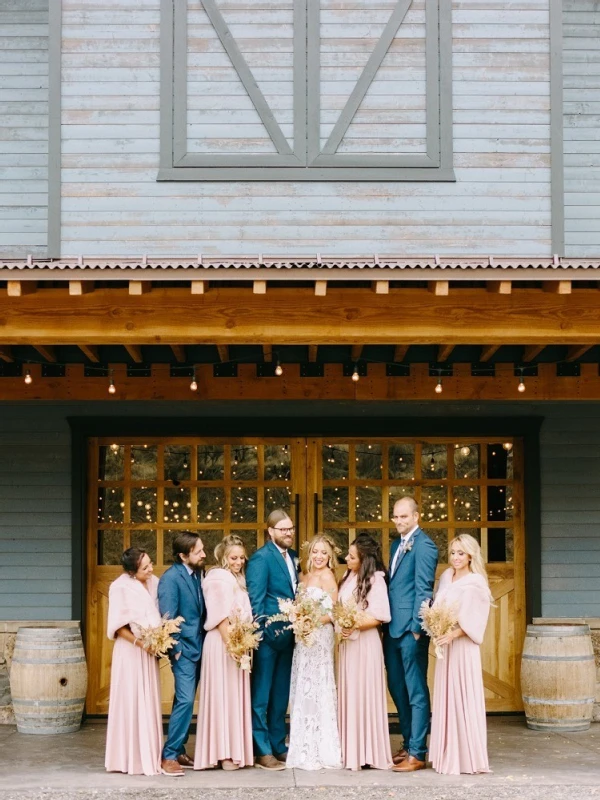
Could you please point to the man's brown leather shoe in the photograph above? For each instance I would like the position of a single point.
(400, 756)
(410, 764)
(268, 762)
(281, 757)
(168, 766)
(185, 761)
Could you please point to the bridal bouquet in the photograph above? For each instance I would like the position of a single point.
(347, 615)
(438, 620)
(159, 640)
(243, 637)
(302, 615)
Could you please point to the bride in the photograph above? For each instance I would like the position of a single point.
(314, 736)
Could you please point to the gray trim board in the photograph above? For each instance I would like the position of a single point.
(166, 84)
(54, 128)
(557, 176)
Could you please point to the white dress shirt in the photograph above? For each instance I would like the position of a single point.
(401, 549)
(289, 564)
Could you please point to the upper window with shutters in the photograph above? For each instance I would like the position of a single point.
(306, 90)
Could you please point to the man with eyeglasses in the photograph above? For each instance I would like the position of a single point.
(272, 574)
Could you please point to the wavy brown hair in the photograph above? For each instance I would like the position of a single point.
(371, 561)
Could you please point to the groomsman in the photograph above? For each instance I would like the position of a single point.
(180, 594)
(272, 574)
(413, 561)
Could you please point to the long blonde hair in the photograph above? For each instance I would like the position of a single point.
(320, 538)
(471, 547)
(222, 551)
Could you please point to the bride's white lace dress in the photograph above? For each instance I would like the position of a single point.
(314, 736)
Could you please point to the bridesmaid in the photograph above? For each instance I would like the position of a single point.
(134, 731)
(362, 697)
(458, 726)
(224, 730)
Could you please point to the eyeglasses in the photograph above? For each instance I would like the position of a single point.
(284, 530)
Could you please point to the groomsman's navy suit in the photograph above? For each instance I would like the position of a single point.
(268, 579)
(180, 595)
(410, 583)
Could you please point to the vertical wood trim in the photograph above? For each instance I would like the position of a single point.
(432, 73)
(53, 242)
(179, 81)
(445, 84)
(557, 176)
(166, 84)
(300, 93)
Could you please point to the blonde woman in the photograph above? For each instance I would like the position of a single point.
(458, 726)
(314, 737)
(224, 730)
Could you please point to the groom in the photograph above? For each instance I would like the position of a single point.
(272, 574)
(413, 561)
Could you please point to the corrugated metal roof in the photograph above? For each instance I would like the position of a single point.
(309, 263)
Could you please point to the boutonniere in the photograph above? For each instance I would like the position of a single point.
(296, 563)
(408, 547)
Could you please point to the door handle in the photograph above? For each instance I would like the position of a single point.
(297, 514)
(316, 501)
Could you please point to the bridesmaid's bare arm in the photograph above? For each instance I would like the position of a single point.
(125, 633)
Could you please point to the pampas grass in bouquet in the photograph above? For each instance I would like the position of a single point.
(243, 638)
(302, 615)
(438, 620)
(346, 615)
(159, 640)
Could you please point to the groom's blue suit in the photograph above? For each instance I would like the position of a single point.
(411, 582)
(268, 579)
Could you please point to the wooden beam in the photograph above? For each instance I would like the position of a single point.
(90, 351)
(292, 315)
(499, 287)
(557, 287)
(77, 288)
(575, 352)
(179, 353)
(439, 288)
(259, 287)
(268, 352)
(400, 352)
(20, 288)
(135, 352)
(46, 351)
(488, 351)
(332, 386)
(532, 351)
(223, 352)
(356, 351)
(381, 287)
(6, 355)
(320, 288)
(137, 288)
(313, 350)
(199, 287)
(444, 352)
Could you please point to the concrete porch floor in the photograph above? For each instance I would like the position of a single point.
(526, 764)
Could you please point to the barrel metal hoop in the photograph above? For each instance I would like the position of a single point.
(538, 701)
(48, 703)
(557, 631)
(57, 662)
(555, 723)
(528, 657)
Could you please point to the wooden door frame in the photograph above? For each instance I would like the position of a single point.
(526, 428)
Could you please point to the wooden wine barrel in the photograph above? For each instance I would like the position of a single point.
(558, 677)
(48, 680)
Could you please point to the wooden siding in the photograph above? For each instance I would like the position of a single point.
(112, 203)
(581, 76)
(23, 127)
(35, 493)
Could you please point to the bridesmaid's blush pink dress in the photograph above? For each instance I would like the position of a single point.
(458, 726)
(134, 731)
(362, 697)
(224, 729)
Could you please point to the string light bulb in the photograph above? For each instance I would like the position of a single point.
(194, 382)
(111, 384)
(438, 387)
(28, 379)
(278, 369)
(521, 386)
(507, 446)
(355, 375)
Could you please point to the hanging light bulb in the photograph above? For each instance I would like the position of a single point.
(521, 386)
(507, 446)
(355, 375)
(278, 369)
(28, 379)
(194, 383)
(111, 384)
(438, 387)
(465, 451)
